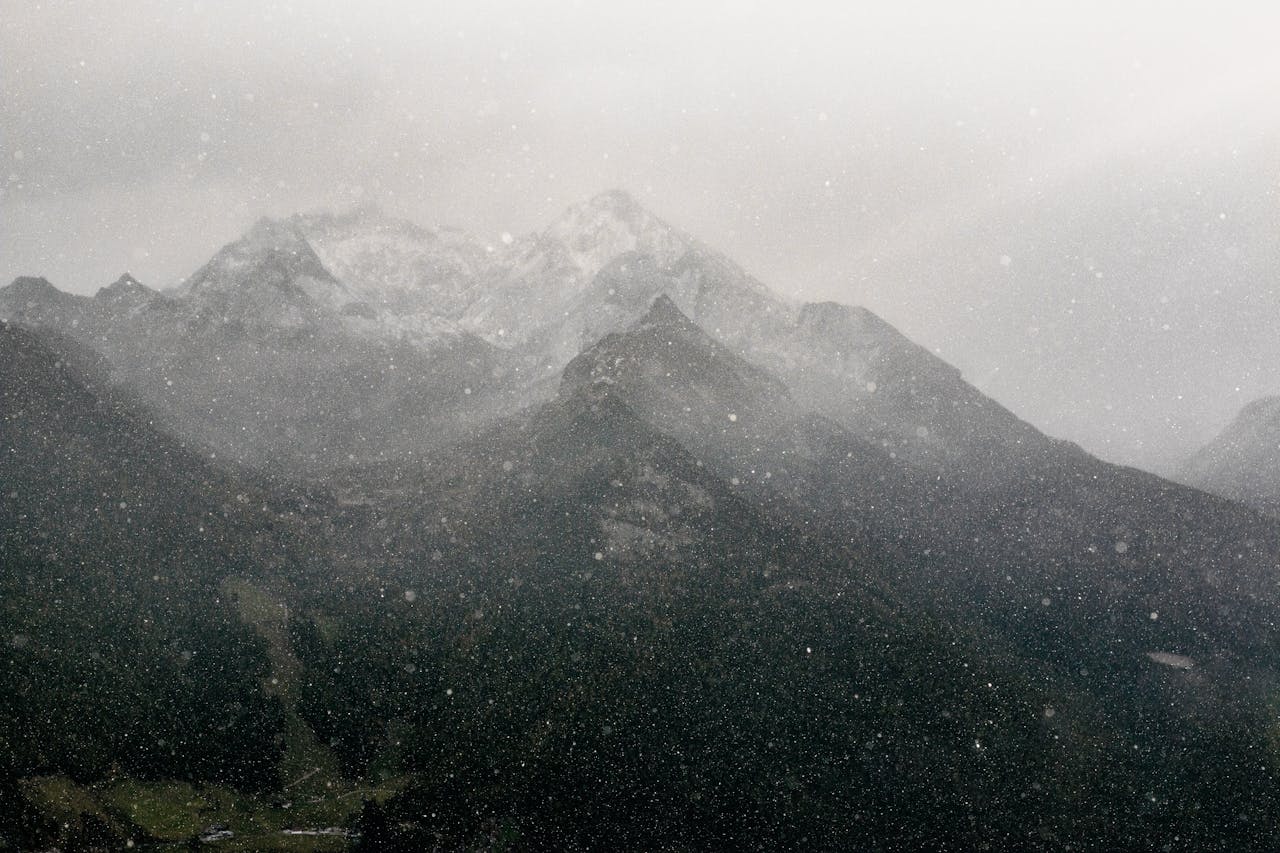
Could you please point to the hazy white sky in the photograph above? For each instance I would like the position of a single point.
(1076, 203)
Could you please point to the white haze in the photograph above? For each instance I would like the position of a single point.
(1074, 203)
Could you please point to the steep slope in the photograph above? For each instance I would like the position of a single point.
(1106, 546)
(1243, 463)
(601, 641)
(632, 647)
(271, 280)
(121, 655)
(596, 269)
(396, 266)
(261, 361)
(745, 424)
(853, 367)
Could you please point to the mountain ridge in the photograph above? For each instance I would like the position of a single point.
(630, 580)
(1243, 461)
(531, 307)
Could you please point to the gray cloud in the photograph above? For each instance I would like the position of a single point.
(1036, 192)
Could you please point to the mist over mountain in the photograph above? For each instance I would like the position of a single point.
(510, 320)
(1074, 207)
(1243, 462)
(573, 427)
(401, 539)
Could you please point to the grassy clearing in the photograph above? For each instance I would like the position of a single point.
(168, 815)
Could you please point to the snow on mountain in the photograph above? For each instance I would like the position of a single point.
(270, 278)
(542, 277)
(364, 279)
(597, 268)
(394, 282)
(393, 265)
(611, 224)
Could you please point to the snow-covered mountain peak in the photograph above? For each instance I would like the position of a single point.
(272, 253)
(610, 224)
(270, 278)
(393, 264)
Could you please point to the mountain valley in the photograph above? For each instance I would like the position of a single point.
(592, 540)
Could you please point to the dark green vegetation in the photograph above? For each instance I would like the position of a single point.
(613, 678)
(125, 655)
(621, 620)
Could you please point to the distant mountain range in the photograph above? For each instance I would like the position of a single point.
(315, 341)
(592, 539)
(1243, 463)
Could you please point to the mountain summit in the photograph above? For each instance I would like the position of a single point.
(611, 224)
(363, 283)
(126, 290)
(597, 528)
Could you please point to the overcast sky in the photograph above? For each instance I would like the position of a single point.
(1075, 203)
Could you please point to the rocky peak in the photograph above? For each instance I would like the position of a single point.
(274, 253)
(665, 353)
(665, 314)
(610, 224)
(125, 288)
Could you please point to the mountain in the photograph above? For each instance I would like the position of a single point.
(395, 266)
(264, 357)
(839, 361)
(270, 279)
(835, 415)
(122, 654)
(619, 547)
(852, 366)
(611, 609)
(745, 424)
(126, 290)
(601, 639)
(1119, 545)
(309, 316)
(599, 267)
(1243, 463)
(534, 292)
